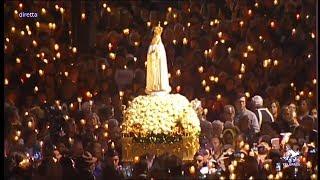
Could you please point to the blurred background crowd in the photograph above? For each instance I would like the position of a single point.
(70, 72)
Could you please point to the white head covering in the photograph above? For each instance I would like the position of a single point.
(257, 100)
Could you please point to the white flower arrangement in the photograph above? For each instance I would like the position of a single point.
(170, 114)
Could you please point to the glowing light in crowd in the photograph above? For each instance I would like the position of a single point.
(43, 11)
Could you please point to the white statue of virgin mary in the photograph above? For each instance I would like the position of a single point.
(157, 69)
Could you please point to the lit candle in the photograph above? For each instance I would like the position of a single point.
(126, 31)
(83, 122)
(28, 75)
(200, 69)
(43, 11)
(314, 81)
(192, 170)
(174, 42)
(91, 103)
(229, 50)
(249, 48)
(185, 41)
(275, 62)
(178, 72)
(112, 56)
(148, 23)
(169, 9)
(165, 23)
(112, 145)
(83, 16)
(247, 94)
(275, 2)
(16, 138)
(136, 159)
(79, 100)
(272, 24)
(243, 68)
(36, 89)
(241, 23)
(6, 81)
(74, 50)
(245, 54)
(18, 133)
(249, 12)
(105, 134)
(219, 97)
(216, 79)
(298, 16)
(313, 35)
(29, 124)
(207, 89)
(297, 97)
(203, 82)
(220, 34)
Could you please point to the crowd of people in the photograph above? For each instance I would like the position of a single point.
(252, 66)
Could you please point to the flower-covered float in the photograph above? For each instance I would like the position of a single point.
(160, 124)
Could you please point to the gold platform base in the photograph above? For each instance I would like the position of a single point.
(184, 149)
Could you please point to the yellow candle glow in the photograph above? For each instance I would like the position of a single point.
(272, 24)
(66, 73)
(16, 138)
(241, 23)
(112, 56)
(178, 72)
(126, 31)
(249, 12)
(310, 94)
(232, 176)
(220, 34)
(245, 54)
(29, 124)
(207, 89)
(203, 82)
(165, 23)
(185, 41)
(83, 16)
(28, 75)
(121, 93)
(249, 48)
(192, 170)
(216, 79)
(219, 96)
(243, 68)
(56, 47)
(74, 49)
(174, 42)
(13, 29)
(314, 81)
(22, 33)
(200, 69)
(83, 122)
(36, 89)
(275, 62)
(148, 23)
(88, 93)
(6, 81)
(188, 24)
(58, 55)
(297, 97)
(313, 35)
(18, 60)
(62, 10)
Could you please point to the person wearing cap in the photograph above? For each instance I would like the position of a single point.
(262, 113)
(242, 110)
